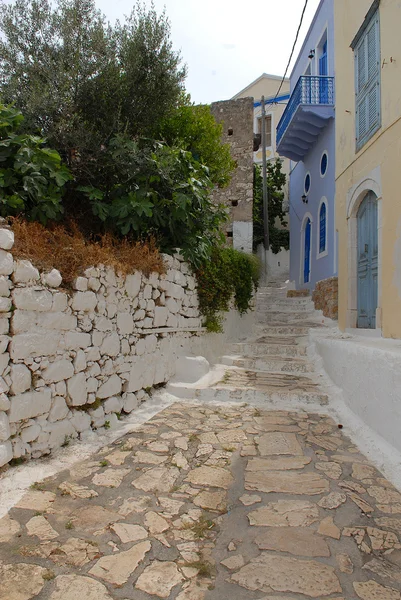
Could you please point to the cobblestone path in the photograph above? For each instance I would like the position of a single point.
(212, 501)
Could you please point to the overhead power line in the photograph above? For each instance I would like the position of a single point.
(292, 51)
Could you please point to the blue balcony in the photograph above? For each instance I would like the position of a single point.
(311, 105)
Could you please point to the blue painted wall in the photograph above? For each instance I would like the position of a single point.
(324, 265)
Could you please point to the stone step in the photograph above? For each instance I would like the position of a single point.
(282, 340)
(222, 394)
(287, 309)
(286, 317)
(281, 330)
(282, 301)
(272, 364)
(257, 350)
(261, 380)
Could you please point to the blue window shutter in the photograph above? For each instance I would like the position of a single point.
(322, 230)
(367, 83)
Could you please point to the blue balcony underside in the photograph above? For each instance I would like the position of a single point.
(304, 129)
(311, 105)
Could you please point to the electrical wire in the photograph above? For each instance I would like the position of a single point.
(292, 51)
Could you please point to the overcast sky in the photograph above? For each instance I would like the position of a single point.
(228, 43)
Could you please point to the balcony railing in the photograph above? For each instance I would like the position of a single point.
(309, 90)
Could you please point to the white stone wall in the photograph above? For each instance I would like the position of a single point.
(72, 361)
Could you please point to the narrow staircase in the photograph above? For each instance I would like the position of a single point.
(272, 365)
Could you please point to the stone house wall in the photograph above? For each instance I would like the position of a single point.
(325, 297)
(72, 361)
(237, 119)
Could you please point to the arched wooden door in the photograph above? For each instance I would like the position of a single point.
(368, 250)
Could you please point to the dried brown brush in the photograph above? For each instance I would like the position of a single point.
(65, 248)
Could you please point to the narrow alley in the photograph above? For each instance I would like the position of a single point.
(223, 496)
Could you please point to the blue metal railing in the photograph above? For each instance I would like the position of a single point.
(308, 90)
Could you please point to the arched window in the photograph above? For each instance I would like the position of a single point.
(322, 228)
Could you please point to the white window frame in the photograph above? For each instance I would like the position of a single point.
(326, 251)
(371, 82)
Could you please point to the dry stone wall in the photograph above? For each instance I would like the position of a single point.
(325, 297)
(72, 361)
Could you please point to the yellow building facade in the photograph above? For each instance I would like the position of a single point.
(368, 164)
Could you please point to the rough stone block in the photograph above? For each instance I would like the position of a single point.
(131, 402)
(4, 362)
(30, 433)
(59, 432)
(6, 453)
(80, 283)
(53, 278)
(20, 379)
(6, 263)
(77, 391)
(4, 427)
(32, 299)
(111, 345)
(27, 345)
(5, 284)
(112, 387)
(60, 301)
(58, 371)
(75, 340)
(112, 405)
(84, 301)
(59, 409)
(80, 361)
(133, 284)
(161, 315)
(24, 271)
(5, 304)
(29, 405)
(4, 402)
(125, 323)
(28, 320)
(6, 239)
(80, 420)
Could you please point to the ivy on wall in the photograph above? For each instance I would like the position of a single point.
(228, 276)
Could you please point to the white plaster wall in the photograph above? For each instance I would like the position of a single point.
(274, 266)
(242, 236)
(368, 373)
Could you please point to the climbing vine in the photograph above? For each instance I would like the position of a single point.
(229, 275)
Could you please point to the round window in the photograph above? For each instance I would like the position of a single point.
(307, 183)
(323, 164)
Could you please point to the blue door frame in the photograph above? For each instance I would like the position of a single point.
(307, 250)
(367, 262)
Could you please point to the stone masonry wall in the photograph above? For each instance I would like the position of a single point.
(237, 119)
(325, 297)
(72, 361)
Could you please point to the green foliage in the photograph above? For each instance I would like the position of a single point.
(79, 80)
(31, 175)
(228, 275)
(194, 128)
(153, 190)
(278, 238)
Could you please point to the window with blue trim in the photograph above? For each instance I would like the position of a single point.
(322, 228)
(323, 164)
(307, 183)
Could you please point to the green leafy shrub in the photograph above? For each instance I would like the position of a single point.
(228, 275)
(32, 176)
(146, 189)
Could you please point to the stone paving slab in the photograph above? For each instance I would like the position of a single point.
(210, 503)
